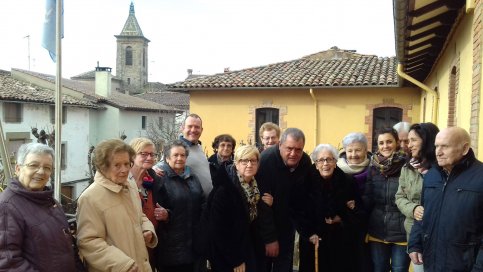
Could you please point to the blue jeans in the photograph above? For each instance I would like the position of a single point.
(389, 257)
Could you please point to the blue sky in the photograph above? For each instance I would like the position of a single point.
(204, 35)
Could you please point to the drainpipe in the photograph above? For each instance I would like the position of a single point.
(316, 107)
(425, 88)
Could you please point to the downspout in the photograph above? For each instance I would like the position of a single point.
(316, 108)
(425, 88)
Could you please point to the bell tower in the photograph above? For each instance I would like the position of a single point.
(132, 55)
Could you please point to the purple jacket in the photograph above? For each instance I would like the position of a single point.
(34, 233)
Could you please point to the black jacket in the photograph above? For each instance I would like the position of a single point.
(386, 222)
(230, 230)
(183, 197)
(329, 198)
(450, 235)
(275, 178)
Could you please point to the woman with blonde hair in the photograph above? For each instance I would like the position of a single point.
(234, 212)
(144, 177)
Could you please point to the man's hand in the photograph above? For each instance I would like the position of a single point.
(268, 199)
(271, 250)
(416, 257)
(148, 236)
(158, 171)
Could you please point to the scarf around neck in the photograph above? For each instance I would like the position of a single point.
(253, 196)
(352, 169)
(391, 165)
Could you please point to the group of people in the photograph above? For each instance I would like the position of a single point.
(418, 197)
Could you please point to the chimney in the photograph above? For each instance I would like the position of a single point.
(190, 72)
(103, 81)
(226, 70)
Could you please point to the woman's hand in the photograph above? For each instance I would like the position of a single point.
(335, 220)
(268, 199)
(148, 236)
(314, 239)
(351, 204)
(240, 268)
(418, 213)
(160, 213)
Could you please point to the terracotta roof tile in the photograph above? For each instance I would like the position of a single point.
(14, 90)
(116, 99)
(310, 71)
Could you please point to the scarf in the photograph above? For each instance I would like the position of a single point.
(253, 196)
(391, 165)
(352, 169)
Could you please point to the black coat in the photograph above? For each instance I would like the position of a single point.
(183, 198)
(231, 232)
(326, 199)
(386, 222)
(275, 178)
(451, 233)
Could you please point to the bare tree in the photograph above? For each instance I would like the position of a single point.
(161, 132)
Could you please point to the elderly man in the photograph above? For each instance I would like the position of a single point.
(449, 238)
(269, 135)
(191, 129)
(280, 168)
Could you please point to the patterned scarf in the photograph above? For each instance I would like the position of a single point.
(253, 196)
(391, 165)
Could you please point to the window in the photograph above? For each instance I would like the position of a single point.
(12, 112)
(129, 55)
(143, 122)
(264, 115)
(128, 81)
(52, 114)
(384, 117)
(144, 57)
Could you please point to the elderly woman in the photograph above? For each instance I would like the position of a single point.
(144, 177)
(423, 155)
(34, 233)
(113, 232)
(223, 148)
(180, 195)
(233, 213)
(333, 215)
(354, 158)
(386, 235)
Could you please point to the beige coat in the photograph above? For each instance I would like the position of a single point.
(110, 226)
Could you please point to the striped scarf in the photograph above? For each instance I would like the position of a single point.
(389, 166)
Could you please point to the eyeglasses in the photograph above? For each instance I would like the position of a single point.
(327, 160)
(273, 138)
(146, 154)
(37, 167)
(245, 162)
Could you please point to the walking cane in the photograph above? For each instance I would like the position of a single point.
(316, 258)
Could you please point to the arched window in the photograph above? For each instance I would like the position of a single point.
(129, 55)
(452, 96)
(384, 117)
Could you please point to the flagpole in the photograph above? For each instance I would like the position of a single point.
(58, 101)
